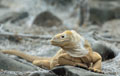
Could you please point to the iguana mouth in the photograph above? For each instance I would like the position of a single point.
(54, 42)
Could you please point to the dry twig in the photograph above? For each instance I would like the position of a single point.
(8, 34)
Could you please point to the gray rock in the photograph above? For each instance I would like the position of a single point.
(12, 16)
(1, 5)
(74, 71)
(112, 28)
(2, 74)
(7, 63)
(43, 74)
(59, 3)
(107, 51)
(19, 16)
(111, 66)
(14, 73)
(104, 15)
(102, 11)
(47, 19)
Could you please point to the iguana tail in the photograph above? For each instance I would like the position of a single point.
(23, 55)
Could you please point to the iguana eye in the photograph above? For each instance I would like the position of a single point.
(62, 36)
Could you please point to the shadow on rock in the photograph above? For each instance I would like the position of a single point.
(107, 51)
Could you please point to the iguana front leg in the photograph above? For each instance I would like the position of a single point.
(96, 66)
(42, 63)
(66, 59)
(54, 60)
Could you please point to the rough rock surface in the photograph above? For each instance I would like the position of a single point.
(67, 71)
(12, 65)
(43, 74)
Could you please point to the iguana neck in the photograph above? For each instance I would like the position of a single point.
(78, 49)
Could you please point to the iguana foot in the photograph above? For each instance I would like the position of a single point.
(95, 70)
(81, 65)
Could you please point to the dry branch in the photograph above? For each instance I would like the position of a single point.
(8, 34)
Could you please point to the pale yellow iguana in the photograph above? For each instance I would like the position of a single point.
(75, 50)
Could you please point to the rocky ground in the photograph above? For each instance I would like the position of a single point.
(28, 25)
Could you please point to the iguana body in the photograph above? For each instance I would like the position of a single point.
(75, 50)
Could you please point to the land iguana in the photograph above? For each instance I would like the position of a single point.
(75, 51)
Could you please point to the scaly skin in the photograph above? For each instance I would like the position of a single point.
(75, 51)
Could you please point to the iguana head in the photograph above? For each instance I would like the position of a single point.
(69, 37)
(71, 42)
(62, 39)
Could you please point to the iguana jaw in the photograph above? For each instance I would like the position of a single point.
(59, 43)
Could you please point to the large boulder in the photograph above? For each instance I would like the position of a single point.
(106, 50)
(67, 71)
(47, 19)
(74, 71)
